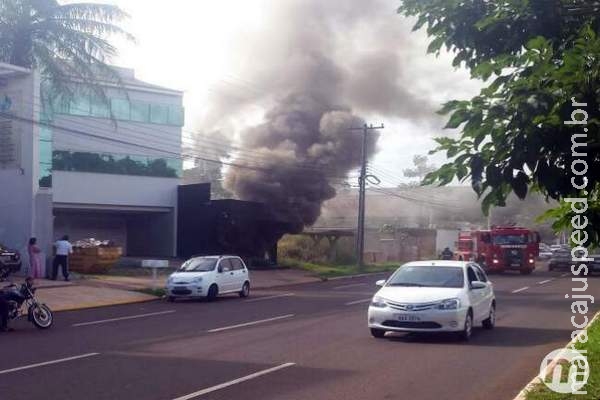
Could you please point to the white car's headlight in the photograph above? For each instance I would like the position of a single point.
(378, 302)
(169, 280)
(449, 304)
(197, 280)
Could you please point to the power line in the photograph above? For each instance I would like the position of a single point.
(173, 154)
(258, 160)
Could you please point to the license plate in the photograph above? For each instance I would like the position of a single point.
(407, 318)
(515, 264)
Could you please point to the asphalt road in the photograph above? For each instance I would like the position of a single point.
(305, 341)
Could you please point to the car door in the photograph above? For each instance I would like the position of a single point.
(476, 296)
(224, 277)
(489, 290)
(240, 273)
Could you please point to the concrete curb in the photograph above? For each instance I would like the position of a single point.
(98, 305)
(538, 379)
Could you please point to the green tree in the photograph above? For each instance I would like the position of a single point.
(535, 56)
(65, 42)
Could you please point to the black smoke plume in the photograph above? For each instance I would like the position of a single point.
(304, 146)
(315, 66)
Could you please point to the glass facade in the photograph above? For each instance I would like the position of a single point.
(45, 148)
(119, 164)
(84, 105)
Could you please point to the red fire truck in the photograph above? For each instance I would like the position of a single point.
(500, 248)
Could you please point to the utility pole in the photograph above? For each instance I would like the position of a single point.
(360, 232)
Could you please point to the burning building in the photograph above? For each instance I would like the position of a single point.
(248, 229)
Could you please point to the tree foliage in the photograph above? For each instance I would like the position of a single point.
(535, 57)
(65, 42)
(421, 169)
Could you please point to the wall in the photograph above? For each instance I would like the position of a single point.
(43, 227)
(406, 244)
(19, 177)
(106, 189)
(446, 238)
(151, 235)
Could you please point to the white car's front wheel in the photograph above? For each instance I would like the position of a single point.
(467, 331)
(377, 333)
(490, 322)
(245, 292)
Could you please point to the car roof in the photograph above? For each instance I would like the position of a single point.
(439, 263)
(214, 256)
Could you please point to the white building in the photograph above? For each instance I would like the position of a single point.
(105, 169)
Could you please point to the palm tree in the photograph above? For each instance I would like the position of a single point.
(66, 43)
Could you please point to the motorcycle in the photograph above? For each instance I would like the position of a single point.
(23, 298)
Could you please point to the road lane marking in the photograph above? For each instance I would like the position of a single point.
(7, 371)
(563, 275)
(234, 382)
(104, 321)
(260, 321)
(520, 290)
(348, 286)
(546, 281)
(269, 297)
(359, 301)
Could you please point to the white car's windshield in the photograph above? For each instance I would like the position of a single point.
(202, 264)
(428, 276)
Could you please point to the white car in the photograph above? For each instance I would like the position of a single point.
(209, 277)
(433, 296)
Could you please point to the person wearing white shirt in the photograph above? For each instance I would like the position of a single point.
(62, 250)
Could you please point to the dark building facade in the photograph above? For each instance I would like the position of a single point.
(243, 228)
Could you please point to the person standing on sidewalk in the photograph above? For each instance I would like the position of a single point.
(35, 261)
(62, 250)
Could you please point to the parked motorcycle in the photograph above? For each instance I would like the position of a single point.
(23, 298)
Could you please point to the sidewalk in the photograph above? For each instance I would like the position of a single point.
(76, 294)
(106, 290)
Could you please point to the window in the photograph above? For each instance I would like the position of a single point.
(100, 108)
(471, 275)
(236, 263)
(80, 105)
(45, 155)
(120, 109)
(45, 175)
(45, 151)
(201, 264)
(140, 112)
(159, 114)
(225, 265)
(120, 164)
(481, 276)
(510, 239)
(428, 276)
(176, 115)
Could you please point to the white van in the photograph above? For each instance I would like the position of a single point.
(208, 277)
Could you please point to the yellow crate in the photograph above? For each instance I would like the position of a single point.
(94, 260)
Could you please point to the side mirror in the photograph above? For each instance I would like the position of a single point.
(380, 283)
(476, 285)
